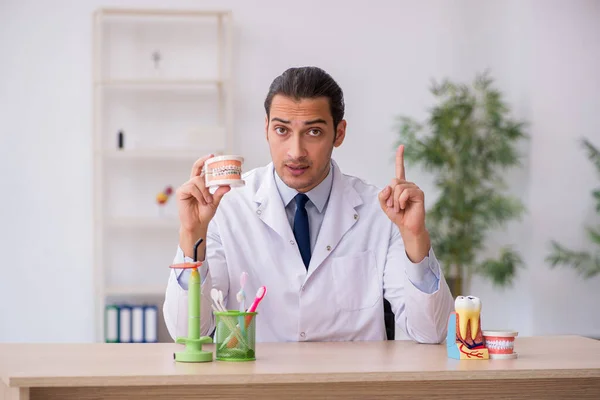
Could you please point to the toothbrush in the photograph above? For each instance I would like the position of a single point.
(241, 293)
(260, 294)
(216, 296)
(241, 298)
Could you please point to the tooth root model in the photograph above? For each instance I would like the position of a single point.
(465, 339)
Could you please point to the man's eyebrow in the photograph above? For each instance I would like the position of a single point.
(315, 121)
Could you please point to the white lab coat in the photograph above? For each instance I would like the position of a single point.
(358, 257)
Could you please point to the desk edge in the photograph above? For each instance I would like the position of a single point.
(248, 379)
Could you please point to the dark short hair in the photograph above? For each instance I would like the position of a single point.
(308, 83)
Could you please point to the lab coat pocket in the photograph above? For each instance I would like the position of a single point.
(355, 281)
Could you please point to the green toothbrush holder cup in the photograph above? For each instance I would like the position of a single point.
(235, 336)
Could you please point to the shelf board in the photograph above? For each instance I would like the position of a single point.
(141, 222)
(159, 84)
(170, 155)
(161, 12)
(136, 290)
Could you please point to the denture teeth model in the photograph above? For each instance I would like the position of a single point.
(224, 170)
(465, 339)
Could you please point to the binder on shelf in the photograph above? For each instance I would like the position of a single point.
(137, 324)
(124, 324)
(111, 324)
(150, 324)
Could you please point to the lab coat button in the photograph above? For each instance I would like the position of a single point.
(258, 212)
(355, 216)
(328, 248)
(302, 334)
(292, 242)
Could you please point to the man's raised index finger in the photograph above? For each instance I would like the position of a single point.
(400, 163)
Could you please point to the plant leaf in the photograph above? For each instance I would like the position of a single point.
(593, 153)
(584, 263)
(501, 271)
(580, 261)
(594, 235)
(596, 194)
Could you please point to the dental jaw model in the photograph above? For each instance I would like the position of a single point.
(465, 339)
(224, 171)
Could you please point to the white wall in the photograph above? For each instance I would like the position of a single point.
(546, 54)
(565, 81)
(543, 54)
(495, 36)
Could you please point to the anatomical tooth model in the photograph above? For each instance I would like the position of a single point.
(465, 339)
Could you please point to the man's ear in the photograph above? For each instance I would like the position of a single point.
(340, 133)
(267, 127)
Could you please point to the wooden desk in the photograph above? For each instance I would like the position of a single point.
(547, 367)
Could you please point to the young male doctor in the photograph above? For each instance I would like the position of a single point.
(328, 246)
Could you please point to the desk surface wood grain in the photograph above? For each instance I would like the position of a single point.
(101, 364)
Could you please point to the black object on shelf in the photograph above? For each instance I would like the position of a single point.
(121, 139)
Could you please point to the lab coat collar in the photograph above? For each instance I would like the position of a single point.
(318, 195)
(339, 217)
(269, 206)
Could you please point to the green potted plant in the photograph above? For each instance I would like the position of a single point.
(468, 142)
(586, 263)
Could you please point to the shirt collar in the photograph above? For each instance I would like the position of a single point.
(317, 195)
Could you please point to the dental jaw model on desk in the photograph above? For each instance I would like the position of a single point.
(193, 342)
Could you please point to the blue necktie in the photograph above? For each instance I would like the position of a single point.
(301, 231)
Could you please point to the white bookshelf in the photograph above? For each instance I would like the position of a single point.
(154, 155)
(157, 84)
(161, 78)
(135, 290)
(169, 223)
